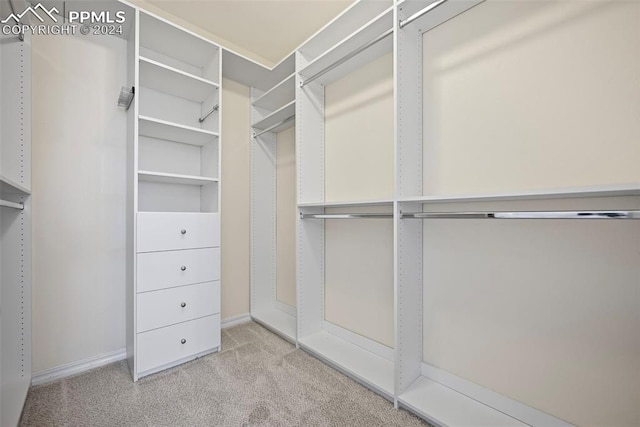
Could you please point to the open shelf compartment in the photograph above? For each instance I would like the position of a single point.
(162, 129)
(8, 186)
(172, 81)
(172, 178)
(276, 117)
(278, 96)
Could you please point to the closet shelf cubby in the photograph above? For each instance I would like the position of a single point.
(162, 129)
(277, 116)
(377, 27)
(167, 39)
(281, 94)
(172, 178)
(8, 186)
(163, 78)
(364, 365)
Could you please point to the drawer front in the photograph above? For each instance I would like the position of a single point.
(161, 270)
(170, 306)
(162, 231)
(170, 344)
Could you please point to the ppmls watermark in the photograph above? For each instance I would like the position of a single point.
(50, 22)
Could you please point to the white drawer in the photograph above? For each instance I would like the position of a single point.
(170, 306)
(161, 270)
(173, 343)
(162, 231)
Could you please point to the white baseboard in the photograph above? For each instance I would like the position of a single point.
(235, 320)
(74, 368)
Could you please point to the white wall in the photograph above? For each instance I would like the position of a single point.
(286, 217)
(235, 210)
(359, 166)
(523, 96)
(78, 177)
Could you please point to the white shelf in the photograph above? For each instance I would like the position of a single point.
(563, 193)
(444, 406)
(172, 81)
(365, 34)
(347, 204)
(277, 116)
(370, 369)
(172, 178)
(279, 95)
(167, 39)
(162, 129)
(436, 16)
(278, 321)
(8, 186)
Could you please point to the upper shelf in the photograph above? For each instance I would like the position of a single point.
(279, 95)
(173, 178)
(369, 32)
(277, 116)
(165, 38)
(8, 186)
(172, 81)
(162, 129)
(563, 193)
(347, 204)
(426, 15)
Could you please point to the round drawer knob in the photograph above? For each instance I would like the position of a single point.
(183, 268)
(183, 305)
(183, 341)
(183, 231)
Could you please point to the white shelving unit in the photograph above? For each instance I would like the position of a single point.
(15, 220)
(272, 110)
(174, 197)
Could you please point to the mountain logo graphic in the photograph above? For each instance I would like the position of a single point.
(34, 11)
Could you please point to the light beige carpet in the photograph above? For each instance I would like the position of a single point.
(258, 379)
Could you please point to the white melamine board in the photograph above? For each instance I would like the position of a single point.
(172, 81)
(173, 109)
(250, 73)
(161, 197)
(8, 186)
(359, 134)
(363, 365)
(545, 303)
(444, 406)
(286, 217)
(359, 38)
(283, 113)
(172, 178)
(165, 38)
(166, 156)
(354, 203)
(515, 100)
(340, 28)
(278, 96)
(277, 320)
(434, 17)
(161, 129)
(359, 293)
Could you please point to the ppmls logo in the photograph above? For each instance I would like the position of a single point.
(34, 12)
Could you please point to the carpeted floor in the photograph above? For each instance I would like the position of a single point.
(258, 379)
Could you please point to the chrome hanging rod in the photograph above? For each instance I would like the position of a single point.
(525, 215)
(12, 205)
(203, 118)
(347, 57)
(346, 216)
(421, 13)
(270, 128)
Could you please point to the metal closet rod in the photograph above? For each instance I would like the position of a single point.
(487, 215)
(12, 205)
(270, 128)
(347, 57)
(214, 109)
(421, 13)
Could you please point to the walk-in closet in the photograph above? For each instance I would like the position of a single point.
(320, 212)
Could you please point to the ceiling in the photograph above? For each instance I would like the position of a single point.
(268, 28)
